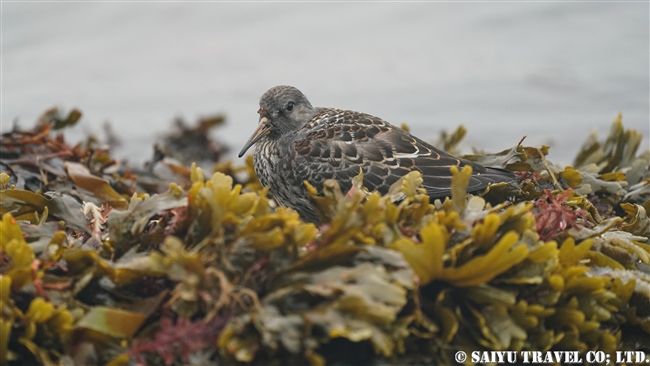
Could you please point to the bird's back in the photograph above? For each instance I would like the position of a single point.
(338, 143)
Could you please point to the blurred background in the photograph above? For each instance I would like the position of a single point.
(554, 71)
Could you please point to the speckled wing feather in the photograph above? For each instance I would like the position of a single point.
(338, 143)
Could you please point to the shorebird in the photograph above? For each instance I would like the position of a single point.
(297, 142)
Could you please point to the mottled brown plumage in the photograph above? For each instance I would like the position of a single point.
(297, 143)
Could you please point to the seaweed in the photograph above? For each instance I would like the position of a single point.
(106, 263)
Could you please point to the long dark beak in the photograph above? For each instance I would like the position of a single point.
(262, 130)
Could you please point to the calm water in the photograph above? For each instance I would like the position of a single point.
(553, 71)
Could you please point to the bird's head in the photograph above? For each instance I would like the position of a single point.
(283, 110)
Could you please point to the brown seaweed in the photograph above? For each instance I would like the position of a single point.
(102, 263)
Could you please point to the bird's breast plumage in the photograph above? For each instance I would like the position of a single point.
(273, 163)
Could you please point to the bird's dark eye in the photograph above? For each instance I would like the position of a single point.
(290, 106)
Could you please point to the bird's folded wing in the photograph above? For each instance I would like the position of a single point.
(350, 141)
